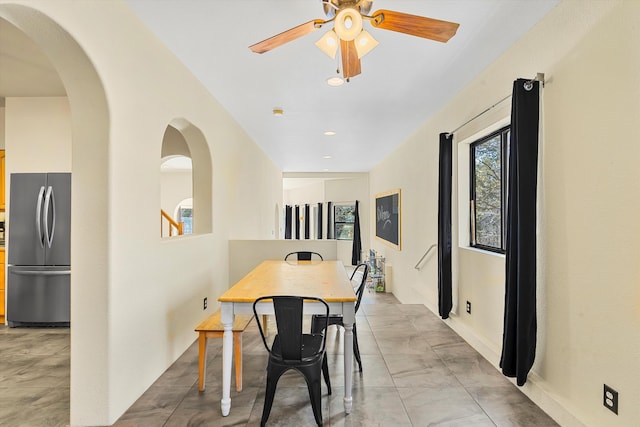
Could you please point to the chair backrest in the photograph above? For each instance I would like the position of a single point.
(304, 255)
(358, 274)
(289, 312)
(361, 272)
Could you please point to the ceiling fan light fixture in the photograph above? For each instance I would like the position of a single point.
(329, 44)
(348, 24)
(365, 43)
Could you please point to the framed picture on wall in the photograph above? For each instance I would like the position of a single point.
(388, 218)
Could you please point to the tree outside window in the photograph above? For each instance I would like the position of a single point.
(488, 191)
(343, 219)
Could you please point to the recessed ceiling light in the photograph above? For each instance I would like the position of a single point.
(326, 157)
(329, 133)
(335, 81)
(278, 112)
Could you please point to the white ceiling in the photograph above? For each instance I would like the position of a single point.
(404, 80)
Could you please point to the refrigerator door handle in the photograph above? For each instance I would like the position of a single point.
(42, 273)
(39, 216)
(49, 200)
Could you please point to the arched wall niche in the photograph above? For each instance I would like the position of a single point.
(89, 383)
(198, 149)
(174, 144)
(176, 182)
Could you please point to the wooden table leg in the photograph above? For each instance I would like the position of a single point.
(237, 351)
(202, 359)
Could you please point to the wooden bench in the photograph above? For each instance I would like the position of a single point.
(212, 327)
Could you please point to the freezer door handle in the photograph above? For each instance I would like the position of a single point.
(39, 217)
(49, 200)
(41, 273)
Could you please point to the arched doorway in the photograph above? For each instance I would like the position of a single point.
(89, 119)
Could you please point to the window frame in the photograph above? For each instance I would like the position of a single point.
(504, 134)
(336, 222)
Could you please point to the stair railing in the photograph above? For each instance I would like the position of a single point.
(173, 224)
(418, 265)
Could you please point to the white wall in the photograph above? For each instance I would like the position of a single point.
(312, 192)
(38, 135)
(588, 295)
(176, 186)
(135, 297)
(336, 188)
(256, 204)
(245, 255)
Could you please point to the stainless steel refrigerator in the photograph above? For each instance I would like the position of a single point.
(39, 259)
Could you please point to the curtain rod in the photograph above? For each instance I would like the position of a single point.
(528, 85)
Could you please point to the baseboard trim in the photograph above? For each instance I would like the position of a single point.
(534, 389)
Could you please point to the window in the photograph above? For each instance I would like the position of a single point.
(186, 217)
(343, 218)
(489, 191)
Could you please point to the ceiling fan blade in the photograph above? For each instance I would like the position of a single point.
(420, 26)
(350, 60)
(287, 36)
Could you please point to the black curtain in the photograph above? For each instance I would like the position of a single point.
(287, 222)
(329, 216)
(296, 221)
(519, 337)
(445, 301)
(307, 221)
(357, 242)
(319, 221)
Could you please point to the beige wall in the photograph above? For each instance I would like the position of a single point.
(588, 294)
(135, 297)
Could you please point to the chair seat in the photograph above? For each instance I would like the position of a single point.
(311, 346)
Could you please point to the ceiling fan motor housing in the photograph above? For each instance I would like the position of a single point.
(331, 7)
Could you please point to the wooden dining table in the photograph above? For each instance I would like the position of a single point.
(324, 279)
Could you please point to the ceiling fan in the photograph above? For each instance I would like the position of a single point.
(348, 35)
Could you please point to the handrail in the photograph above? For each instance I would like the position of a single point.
(425, 255)
(172, 223)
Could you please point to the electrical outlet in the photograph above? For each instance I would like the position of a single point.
(610, 399)
(204, 303)
(469, 307)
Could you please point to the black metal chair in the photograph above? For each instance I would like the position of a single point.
(304, 255)
(293, 349)
(317, 322)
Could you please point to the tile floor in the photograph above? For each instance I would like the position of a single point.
(416, 372)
